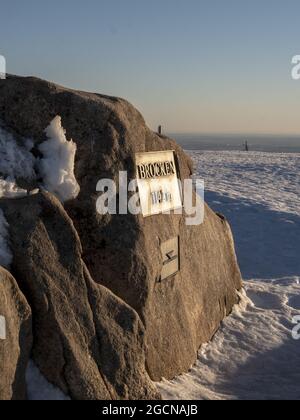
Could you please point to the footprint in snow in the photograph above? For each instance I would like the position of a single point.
(265, 300)
(294, 302)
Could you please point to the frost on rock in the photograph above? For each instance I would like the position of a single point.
(57, 165)
(9, 189)
(39, 389)
(5, 253)
(15, 162)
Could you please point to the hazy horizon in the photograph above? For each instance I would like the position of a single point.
(229, 134)
(194, 66)
(236, 142)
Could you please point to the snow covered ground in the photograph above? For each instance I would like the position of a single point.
(255, 354)
(39, 389)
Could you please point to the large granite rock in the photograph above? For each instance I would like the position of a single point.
(87, 341)
(123, 252)
(15, 338)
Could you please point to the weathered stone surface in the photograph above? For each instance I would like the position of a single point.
(120, 334)
(15, 348)
(86, 341)
(123, 252)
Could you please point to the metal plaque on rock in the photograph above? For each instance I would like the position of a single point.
(158, 182)
(171, 258)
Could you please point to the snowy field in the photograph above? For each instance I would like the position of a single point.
(254, 355)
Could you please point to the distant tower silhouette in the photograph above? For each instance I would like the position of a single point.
(159, 129)
(246, 146)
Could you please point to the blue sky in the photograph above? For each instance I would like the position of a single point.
(191, 65)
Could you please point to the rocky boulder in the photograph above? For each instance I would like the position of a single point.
(87, 341)
(15, 338)
(122, 252)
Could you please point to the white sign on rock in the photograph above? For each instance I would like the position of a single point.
(158, 183)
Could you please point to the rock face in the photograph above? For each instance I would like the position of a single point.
(122, 252)
(15, 338)
(86, 341)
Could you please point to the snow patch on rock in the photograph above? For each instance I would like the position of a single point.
(15, 161)
(9, 189)
(57, 165)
